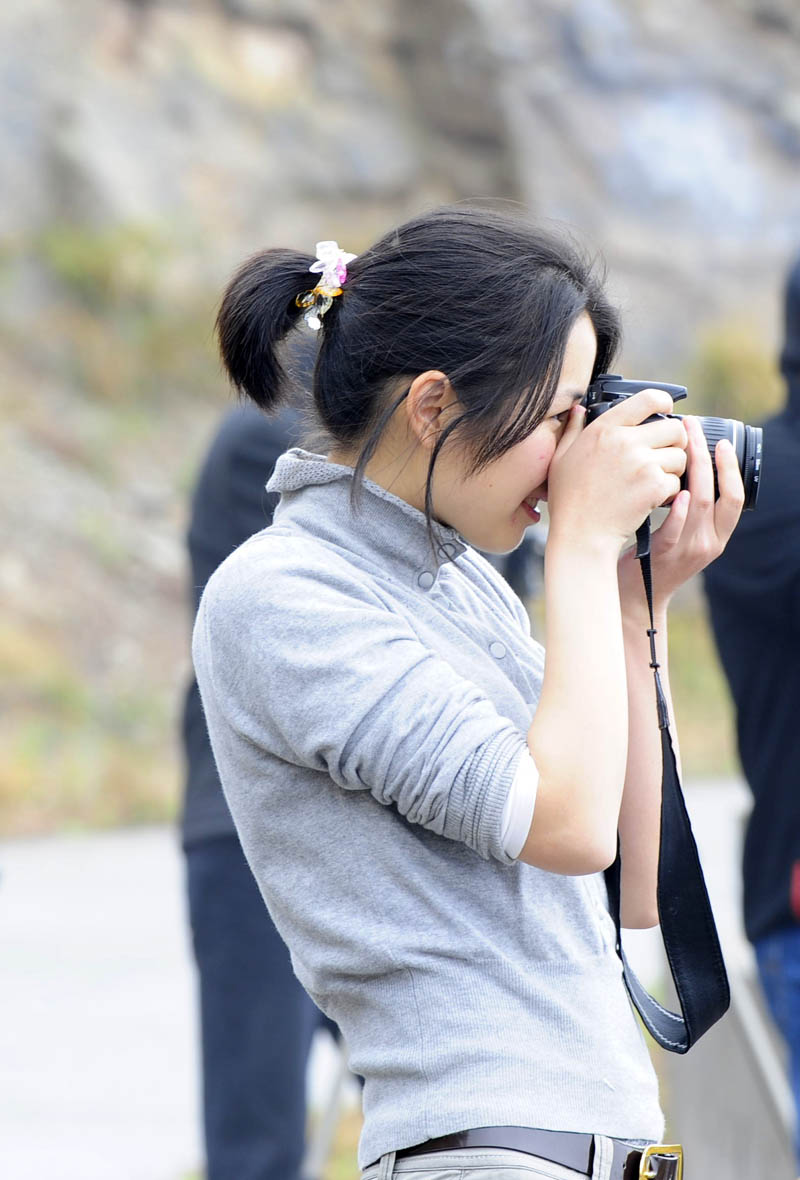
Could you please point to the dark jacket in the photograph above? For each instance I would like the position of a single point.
(754, 598)
(229, 505)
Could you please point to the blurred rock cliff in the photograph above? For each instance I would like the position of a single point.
(146, 146)
(669, 133)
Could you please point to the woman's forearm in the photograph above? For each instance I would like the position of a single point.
(579, 733)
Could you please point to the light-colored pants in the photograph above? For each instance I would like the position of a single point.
(486, 1163)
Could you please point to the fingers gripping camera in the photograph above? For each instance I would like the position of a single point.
(609, 389)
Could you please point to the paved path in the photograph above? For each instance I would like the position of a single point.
(97, 1052)
(97, 1005)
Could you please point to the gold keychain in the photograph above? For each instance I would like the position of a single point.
(665, 1149)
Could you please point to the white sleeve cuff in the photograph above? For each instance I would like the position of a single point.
(518, 810)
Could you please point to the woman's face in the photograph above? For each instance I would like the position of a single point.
(493, 507)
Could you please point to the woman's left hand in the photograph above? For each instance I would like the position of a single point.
(697, 528)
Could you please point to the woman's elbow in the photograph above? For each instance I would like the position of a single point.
(573, 831)
(575, 854)
(595, 857)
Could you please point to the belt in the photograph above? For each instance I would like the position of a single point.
(569, 1149)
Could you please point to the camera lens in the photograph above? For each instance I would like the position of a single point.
(746, 441)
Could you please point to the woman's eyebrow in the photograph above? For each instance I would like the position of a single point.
(576, 395)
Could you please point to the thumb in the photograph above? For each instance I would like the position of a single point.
(575, 423)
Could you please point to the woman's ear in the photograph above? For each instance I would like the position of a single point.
(428, 406)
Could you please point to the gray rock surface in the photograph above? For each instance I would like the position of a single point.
(670, 133)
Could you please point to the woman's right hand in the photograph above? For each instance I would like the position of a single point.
(604, 480)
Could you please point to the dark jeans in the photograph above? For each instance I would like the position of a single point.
(778, 956)
(256, 1022)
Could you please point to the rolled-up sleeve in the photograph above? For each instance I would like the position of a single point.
(315, 668)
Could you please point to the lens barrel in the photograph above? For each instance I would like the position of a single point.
(746, 442)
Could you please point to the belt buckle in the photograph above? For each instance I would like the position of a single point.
(646, 1171)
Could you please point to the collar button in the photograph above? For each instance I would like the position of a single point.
(497, 649)
(425, 579)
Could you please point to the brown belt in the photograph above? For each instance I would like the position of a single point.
(570, 1150)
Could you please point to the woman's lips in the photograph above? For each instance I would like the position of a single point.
(530, 509)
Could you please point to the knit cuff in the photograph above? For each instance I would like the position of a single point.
(483, 785)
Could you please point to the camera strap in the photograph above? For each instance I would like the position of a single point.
(687, 923)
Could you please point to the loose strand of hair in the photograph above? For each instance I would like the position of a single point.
(371, 445)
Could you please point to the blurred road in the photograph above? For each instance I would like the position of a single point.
(97, 1046)
(97, 1005)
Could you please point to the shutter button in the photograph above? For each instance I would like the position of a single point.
(497, 649)
(425, 579)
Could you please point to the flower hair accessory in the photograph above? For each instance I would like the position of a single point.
(331, 266)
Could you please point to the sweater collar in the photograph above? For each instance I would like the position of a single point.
(315, 495)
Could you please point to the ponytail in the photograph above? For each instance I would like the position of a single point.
(257, 311)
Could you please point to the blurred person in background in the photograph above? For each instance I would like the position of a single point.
(753, 594)
(427, 805)
(256, 1020)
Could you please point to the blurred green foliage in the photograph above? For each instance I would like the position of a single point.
(733, 374)
(118, 320)
(75, 754)
(110, 337)
(103, 268)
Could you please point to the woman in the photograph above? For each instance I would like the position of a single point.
(427, 806)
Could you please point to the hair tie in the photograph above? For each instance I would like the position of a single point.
(331, 266)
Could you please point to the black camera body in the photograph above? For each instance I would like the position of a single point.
(609, 389)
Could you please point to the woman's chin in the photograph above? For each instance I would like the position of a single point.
(496, 543)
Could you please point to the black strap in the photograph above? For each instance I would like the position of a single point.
(687, 923)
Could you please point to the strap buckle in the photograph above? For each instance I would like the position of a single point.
(669, 1153)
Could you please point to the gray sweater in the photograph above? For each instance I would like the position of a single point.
(368, 703)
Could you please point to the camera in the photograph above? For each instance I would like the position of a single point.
(608, 389)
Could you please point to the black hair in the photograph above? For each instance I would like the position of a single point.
(486, 298)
